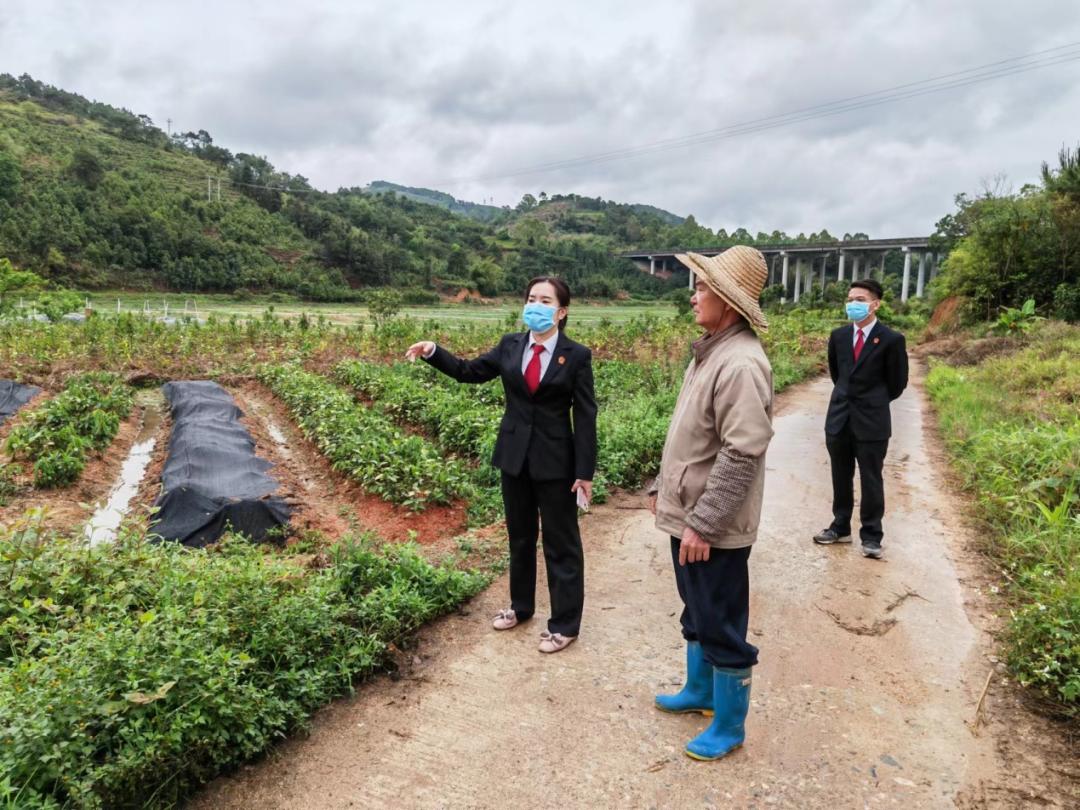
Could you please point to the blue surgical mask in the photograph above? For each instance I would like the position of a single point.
(538, 317)
(857, 310)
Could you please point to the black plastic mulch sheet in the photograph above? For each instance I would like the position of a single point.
(13, 396)
(212, 478)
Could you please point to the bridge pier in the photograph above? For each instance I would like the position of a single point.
(783, 295)
(920, 281)
(852, 256)
(907, 274)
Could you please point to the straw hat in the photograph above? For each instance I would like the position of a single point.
(737, 275)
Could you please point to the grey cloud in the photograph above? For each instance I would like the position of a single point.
(424, 93)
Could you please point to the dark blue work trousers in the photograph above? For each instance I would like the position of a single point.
(716, 605)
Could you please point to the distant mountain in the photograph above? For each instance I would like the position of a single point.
(491, 213)
(477, 211)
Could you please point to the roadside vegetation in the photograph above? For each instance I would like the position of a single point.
(1012, 426)
(1009, 408)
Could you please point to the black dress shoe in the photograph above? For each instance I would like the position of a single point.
(826, 537)
(872, 549)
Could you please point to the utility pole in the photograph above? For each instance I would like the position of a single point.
(219, 189)
(168, 127)
(208, 192)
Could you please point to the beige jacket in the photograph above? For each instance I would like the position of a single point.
(712, 474)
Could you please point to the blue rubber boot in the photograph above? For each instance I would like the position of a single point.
(697, 694)
(731, 698)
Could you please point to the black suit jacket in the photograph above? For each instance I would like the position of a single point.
(863, 390)
(537, 428)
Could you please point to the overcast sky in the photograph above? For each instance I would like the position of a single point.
(457, 96)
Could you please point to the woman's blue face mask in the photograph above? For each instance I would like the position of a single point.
(857, 310)
(538, 317)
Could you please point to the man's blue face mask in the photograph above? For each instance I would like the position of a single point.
(857, 310)
(538, 317)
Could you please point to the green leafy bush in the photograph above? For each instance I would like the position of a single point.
(130, 673)
(365, 444)
(57, 437)
(1013, 429)
(1067, 302)
(1016, 320)
(463, 418)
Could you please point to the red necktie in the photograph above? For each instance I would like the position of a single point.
(532, 371)
(858, 345)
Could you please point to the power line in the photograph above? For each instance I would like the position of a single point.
(948, 81)
(979, 69)
(745, 129)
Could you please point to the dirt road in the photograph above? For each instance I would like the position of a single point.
(867, 688)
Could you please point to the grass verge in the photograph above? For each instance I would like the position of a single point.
(1012, 427)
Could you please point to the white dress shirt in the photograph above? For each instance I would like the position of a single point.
(865, 333)
(545, 355)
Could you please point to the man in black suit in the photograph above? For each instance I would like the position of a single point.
(869, 369)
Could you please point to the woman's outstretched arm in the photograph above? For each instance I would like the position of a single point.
(483, 368)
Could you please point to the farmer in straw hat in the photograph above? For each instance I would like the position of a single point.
(708, 493)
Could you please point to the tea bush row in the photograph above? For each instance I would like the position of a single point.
(635, 407)
(365, 444)
(57, 437)
(459, 416)
(132, 672)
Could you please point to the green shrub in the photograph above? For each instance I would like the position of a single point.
(1013, 429)
(383, 304)
(57, 437)
(364, 444)
(130, 673)
(1067, 302)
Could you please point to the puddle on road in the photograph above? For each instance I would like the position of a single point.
(102, 527)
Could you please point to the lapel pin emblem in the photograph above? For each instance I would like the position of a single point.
(877, 340)
(562, 360)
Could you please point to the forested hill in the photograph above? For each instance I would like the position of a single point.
(96, 196)
(478, 211)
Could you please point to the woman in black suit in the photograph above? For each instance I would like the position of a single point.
(547, 463)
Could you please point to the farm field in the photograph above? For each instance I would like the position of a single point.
(497, 312)
(130, 663)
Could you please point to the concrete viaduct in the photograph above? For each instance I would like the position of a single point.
(812, 260)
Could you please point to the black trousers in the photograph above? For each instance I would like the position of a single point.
(528, 504)
(844, 451)
(716, 605)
